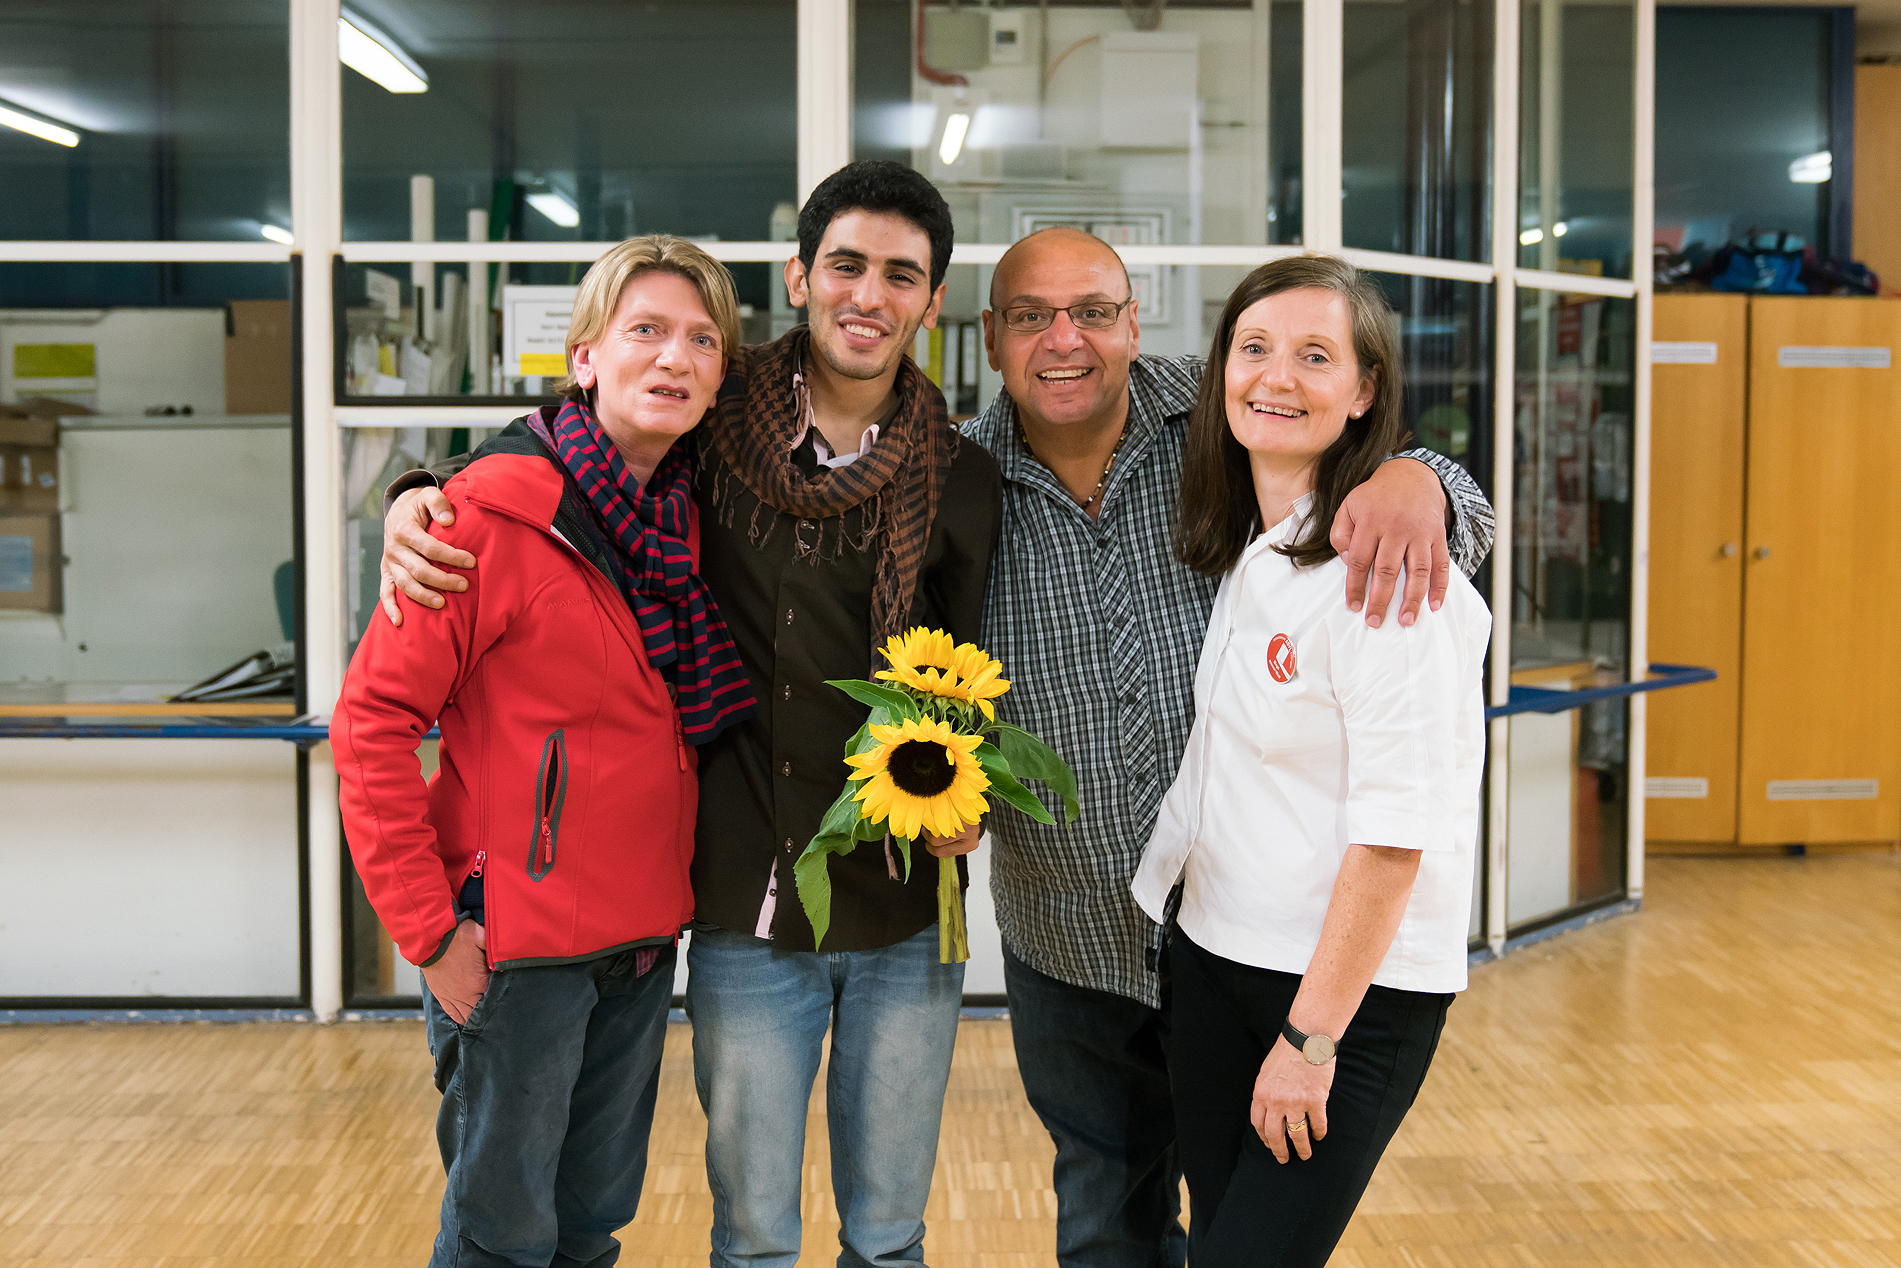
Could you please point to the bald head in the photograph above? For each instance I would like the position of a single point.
(1056, 249)
(1063, 376)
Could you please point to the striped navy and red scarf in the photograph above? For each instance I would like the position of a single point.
(686, 638)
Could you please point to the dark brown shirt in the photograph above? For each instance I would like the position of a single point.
(766, 783)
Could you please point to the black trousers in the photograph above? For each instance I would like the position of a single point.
(1095, 1071)
(1246, 1209)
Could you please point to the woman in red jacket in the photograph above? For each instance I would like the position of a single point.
(541, 879)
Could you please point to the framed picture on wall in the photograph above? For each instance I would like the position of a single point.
(1136, 227)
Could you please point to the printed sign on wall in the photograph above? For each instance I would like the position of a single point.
(535, 329)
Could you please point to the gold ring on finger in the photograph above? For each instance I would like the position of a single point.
(1301, 1126)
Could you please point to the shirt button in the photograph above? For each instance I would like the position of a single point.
(788, 616)
(786, 769)
(788, 845)
(787, 694)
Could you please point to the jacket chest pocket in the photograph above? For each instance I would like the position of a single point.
(551, 793)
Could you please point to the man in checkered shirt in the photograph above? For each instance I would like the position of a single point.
(1100, 628)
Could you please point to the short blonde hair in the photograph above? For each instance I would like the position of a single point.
(601, 289)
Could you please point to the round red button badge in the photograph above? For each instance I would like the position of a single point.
(1280, 658)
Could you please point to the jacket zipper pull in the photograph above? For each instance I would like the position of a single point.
(547, 844)
(481, 857)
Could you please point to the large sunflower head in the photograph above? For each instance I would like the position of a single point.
(930, 663)
(922, 776)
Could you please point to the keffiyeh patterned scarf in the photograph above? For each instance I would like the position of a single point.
(756, 424)
(685, 636)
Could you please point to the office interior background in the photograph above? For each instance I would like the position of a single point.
(257, 259)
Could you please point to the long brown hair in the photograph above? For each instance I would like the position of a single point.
(1216, 509)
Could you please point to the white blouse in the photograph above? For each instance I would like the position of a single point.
(1311, 732)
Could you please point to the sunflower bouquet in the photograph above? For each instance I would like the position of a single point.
(922, 762)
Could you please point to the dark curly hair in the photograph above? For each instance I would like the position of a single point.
(878, 185)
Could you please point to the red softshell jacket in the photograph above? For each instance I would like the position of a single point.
(565, 778)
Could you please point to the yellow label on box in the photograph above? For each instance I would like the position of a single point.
(543, 363)
(53, 361)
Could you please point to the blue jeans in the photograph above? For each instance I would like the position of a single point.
(1095, 1071)
(547, 1098)
(759, 1018)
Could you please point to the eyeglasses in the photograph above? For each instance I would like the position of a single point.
(1095, 314)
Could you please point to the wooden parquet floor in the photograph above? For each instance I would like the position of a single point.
(1716, 1081)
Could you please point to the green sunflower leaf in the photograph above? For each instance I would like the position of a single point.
(904, 848)
(815, 891)
(991, 758)
(842, 816)
(1030, 758)
(1005, 787)
(866, 693)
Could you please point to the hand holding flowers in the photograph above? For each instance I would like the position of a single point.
(922, 763)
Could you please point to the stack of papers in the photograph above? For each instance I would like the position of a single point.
(265, 673)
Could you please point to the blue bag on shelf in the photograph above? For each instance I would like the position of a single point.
(1755, 271)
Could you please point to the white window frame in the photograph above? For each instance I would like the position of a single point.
(824, 139)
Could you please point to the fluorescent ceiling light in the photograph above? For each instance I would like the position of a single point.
(277, 235)
(1531, 237)
(1813, 169)
(952, 145)
(39, 127)
(556, 207)
(1560, 229)
(365, 49)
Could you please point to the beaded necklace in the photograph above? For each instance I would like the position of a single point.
(1107, 467)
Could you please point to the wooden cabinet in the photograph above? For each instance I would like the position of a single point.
(1787, 447)
(1699, 394)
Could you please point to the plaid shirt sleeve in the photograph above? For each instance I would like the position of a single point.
(1473, 526)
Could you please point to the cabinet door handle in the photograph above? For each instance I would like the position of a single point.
(1730, 549)
(1762, 552)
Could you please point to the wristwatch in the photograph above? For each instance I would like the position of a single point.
(1318, 1049)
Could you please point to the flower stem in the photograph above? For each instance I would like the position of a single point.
(953, 942)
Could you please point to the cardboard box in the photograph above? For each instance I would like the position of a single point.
(30, 563)
(29, 478)
(35, 421)
(257, 377)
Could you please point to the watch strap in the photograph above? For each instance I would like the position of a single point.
(1313, 1053)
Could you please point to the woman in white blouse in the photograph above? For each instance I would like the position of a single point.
(1322, 824)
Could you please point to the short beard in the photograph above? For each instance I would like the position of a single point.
(852, 372)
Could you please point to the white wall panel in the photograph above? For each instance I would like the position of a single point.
(148, 867)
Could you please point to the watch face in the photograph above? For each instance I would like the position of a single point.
(1319, 1050)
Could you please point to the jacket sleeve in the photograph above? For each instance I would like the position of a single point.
(1473, 528)
(424, 478)
(971, 518)
(444, 471)
(396, 686)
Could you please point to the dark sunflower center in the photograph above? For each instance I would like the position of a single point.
(919, 767)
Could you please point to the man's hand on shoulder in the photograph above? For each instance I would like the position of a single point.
(1397, 517)
(410, 553)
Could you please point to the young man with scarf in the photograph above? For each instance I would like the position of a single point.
(574, 683)
(839, 509)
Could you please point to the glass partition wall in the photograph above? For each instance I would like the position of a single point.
(150, 632)
(453, 170)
